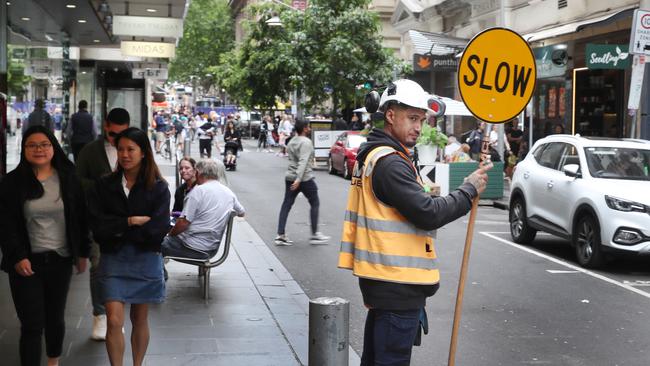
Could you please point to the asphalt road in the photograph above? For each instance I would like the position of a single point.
(524, 305)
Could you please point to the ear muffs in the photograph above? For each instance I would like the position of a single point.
(437, 106)
(372, 101)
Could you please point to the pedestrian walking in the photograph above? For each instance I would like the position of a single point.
(387, 233)
(206, 133)
(97, 159)
(44, 232)
(129, 219)
(81, 130)
(38, 117)
(300, 179)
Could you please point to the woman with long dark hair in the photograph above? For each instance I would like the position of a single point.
(188, 174)
(233, 143)
(44, 232)
(129, 219)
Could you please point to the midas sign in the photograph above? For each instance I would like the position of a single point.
(496, 75)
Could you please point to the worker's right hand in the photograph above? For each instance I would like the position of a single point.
(138, 220)
(479, 178)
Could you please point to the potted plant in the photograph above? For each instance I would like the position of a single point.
(431, 140)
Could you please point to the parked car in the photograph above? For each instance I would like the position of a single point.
(591, 191)
(344, 152)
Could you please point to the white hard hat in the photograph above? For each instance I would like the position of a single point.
(406, 92)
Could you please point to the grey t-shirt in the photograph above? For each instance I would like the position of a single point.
(45, 219)
(207, 208)
(301, 156)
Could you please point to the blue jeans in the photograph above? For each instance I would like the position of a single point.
(389, 336)
(310, 190)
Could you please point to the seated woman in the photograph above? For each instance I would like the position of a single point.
(129, 219)
(188, 175)
(461, 155)
(44, 233)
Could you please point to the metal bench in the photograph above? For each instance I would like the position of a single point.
(206, 265)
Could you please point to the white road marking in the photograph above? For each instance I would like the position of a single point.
(637, 283)
(79, 322)
(568, 265)
(489, 222)
(556, 271)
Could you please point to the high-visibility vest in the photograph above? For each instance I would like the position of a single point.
(378, 242)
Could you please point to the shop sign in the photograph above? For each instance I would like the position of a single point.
(551, 61)
(57, 53)
(607, 56)
(148, 49)
(434, 63)
(496, 84)
(148, 73)
(147, 26)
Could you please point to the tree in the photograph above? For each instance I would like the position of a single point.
(330, 47)
(207, 33)
(17, 81)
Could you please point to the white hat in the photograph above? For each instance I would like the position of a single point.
(406, 92)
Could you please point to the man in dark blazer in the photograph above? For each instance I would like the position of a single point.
(81, 129)
(97, 159)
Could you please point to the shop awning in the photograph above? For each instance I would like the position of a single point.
(578, 25)
(455, 107)
(436, 43)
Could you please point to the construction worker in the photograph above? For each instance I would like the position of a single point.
(389, 221)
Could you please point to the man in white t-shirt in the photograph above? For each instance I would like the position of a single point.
(198, 231)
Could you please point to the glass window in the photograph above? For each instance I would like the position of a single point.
(618, 163)
(538, 152)
(355, 140)
(570, 156)
(550, 157)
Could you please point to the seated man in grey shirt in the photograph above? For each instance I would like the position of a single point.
(198, 231)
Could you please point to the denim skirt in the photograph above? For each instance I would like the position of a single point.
(132, 276)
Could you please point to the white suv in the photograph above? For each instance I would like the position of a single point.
(594, 192)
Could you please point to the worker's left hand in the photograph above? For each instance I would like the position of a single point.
(295, 185)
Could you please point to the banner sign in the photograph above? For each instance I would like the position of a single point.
(124, 25)
(148, 49)
(434, 63)
(607, 56)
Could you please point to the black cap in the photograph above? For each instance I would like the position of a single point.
(118, 116)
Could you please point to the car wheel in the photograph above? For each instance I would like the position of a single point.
(330, 163)
(520, 231)
(586, 238)
(346, 170)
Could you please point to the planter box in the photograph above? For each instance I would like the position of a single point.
(450, 176)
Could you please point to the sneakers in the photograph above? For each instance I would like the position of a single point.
(283, 240)
(319, 238)
(99, 328)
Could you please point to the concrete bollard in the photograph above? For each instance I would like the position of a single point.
(329, 320)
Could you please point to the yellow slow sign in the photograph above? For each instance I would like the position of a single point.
(496, 75)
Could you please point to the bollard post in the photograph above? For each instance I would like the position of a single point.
(329, 340)
(187, 148)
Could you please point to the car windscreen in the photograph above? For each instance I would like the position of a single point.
(618, 163)
(355, 141)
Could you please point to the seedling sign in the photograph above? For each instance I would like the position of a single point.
(496, 75)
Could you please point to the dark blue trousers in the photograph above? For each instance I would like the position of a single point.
(310, 190)
(389, 337)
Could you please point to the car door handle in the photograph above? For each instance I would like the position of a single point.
(526, 175)
(549, 184)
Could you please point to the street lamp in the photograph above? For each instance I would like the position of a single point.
(275, 21)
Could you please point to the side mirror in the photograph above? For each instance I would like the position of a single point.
(572, 170)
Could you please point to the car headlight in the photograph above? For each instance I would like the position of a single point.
(620, 204)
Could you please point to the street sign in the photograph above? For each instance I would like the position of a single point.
(640, 33)
(496, 82)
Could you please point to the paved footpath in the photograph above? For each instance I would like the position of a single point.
(257, 314)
